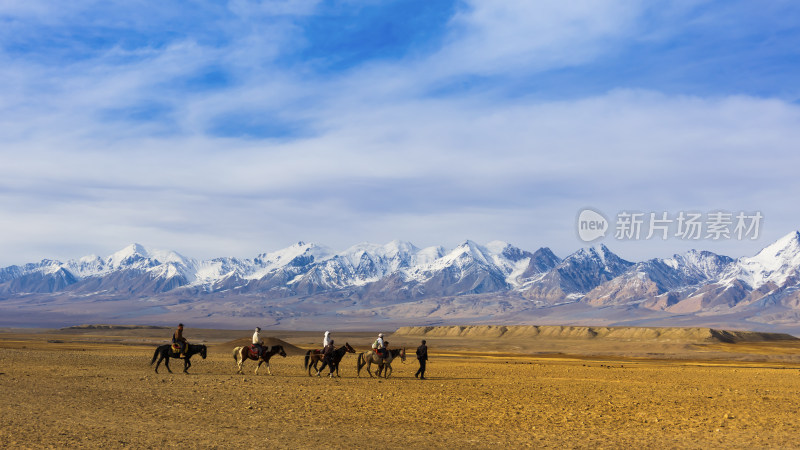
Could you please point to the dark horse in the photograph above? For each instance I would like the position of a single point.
(241, 354)
(166, 352)
(314, 356)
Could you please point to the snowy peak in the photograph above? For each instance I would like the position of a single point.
(600, 257)
(297, 255)
(400, 270)
(397, 248)
(428, 255)
(503, 251)
(649, 279)
(783, 252)
(497, 258)
(87, 266)
(776, 263)
(358, 265)
(701, 264)
(398, 251)
(578, 274)
(471, 251)
(584, 254)
(541, 261)
(127, 256)
(136, 256)
(217, 269)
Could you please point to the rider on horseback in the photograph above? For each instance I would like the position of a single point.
(177, 338)
(380, 346)
(327, 358)
(326, 340)
(257, 342)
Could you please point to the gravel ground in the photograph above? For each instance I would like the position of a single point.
(66, 395)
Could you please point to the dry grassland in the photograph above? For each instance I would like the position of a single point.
(81, 392)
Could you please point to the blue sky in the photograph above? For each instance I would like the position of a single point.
(231, 128)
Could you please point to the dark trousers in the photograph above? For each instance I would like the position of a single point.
(421, 371)
(328, 362)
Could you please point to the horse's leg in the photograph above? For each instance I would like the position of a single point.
(258, 366)
(186, 364)
(269, 371)
(379, 372)
(369, 365)
(320, 367)
(242, 358)
(160, 357)
(166, 364)
(387, 371)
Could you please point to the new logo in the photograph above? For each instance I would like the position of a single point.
(591, 225)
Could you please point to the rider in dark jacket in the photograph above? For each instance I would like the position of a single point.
(327, 359)
(177, 338)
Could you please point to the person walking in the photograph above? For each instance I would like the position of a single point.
(422, 357)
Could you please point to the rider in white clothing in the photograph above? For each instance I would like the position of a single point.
(379, 346)
(326, 340)
(257, 340)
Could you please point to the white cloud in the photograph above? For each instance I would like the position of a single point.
(516, 172)
(497, 37)
(380, 159)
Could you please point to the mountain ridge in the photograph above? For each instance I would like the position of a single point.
(399, 280)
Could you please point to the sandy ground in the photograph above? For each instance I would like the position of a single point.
(79, 390)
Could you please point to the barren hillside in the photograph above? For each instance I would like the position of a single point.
(638, 334)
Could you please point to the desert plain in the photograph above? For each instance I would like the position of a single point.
(94, 387)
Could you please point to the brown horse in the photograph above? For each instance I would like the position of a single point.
(241, 354)
(384, 364)
(315, 356)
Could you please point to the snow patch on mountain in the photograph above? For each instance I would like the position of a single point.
(776, 263)
(398, 272)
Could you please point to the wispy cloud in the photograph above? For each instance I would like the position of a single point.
(241, 129)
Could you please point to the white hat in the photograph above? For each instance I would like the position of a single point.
(380, 334)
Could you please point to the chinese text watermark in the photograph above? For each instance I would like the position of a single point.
(635, 225)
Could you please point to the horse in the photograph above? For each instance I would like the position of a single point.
(166, 352)
(315, 356)
(241, 354)
(370, 357)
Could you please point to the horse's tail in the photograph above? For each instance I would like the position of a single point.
(361, 362)
(308, 356)
(155, 356)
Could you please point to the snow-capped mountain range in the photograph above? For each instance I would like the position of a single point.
(403, 283)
